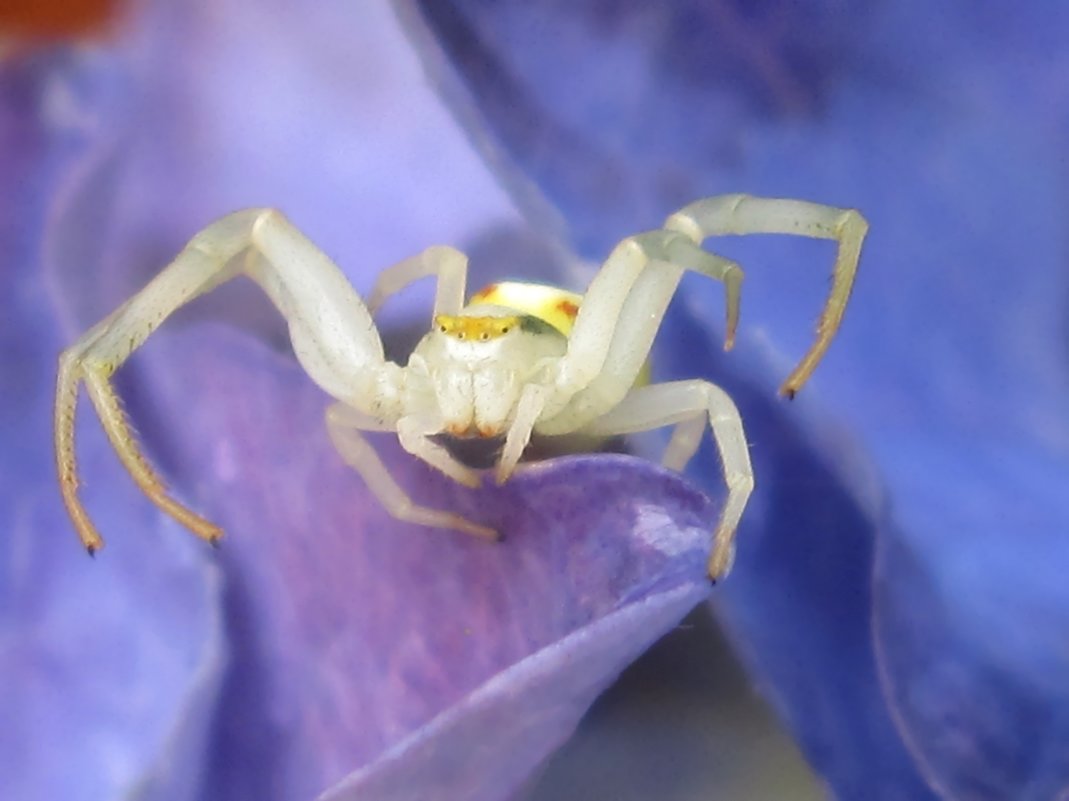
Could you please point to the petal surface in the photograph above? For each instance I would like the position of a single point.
(110, 667)
(361, 643)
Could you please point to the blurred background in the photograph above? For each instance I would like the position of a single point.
(897, 622)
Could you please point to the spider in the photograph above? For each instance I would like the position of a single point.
(517, 360)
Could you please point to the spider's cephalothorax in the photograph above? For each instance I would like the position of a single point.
(517, 360)
(477, 362)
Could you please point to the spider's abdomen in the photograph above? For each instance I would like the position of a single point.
(552, 305)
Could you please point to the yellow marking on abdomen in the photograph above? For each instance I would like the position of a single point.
(549, 304)
(553, 305)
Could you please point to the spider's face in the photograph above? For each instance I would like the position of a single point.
(479, 362)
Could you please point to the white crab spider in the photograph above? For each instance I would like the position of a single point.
(483, 370)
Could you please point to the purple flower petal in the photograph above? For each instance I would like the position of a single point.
(486, 742)
(350, 631)
(109, 668)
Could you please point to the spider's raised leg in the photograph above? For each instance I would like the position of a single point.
(332, 334)
(618, 321)
(626, 301)
(688, 404)
(448, 264)
(743, 214)
(344, 425)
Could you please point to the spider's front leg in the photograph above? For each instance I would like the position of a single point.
(617, 322)
(744, 214)
(345, 425)
(331, 329)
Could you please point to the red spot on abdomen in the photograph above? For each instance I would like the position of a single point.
(483, 293)
(568, 308)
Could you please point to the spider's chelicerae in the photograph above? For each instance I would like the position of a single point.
(516, 360)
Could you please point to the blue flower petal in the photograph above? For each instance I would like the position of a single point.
(972, 646)
(805, 555)
(948, 372)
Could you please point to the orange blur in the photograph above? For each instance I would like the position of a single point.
(56, 19)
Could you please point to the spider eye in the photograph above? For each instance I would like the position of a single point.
(441, 328)
(460, 335)
(484, 336)
(506, 329)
